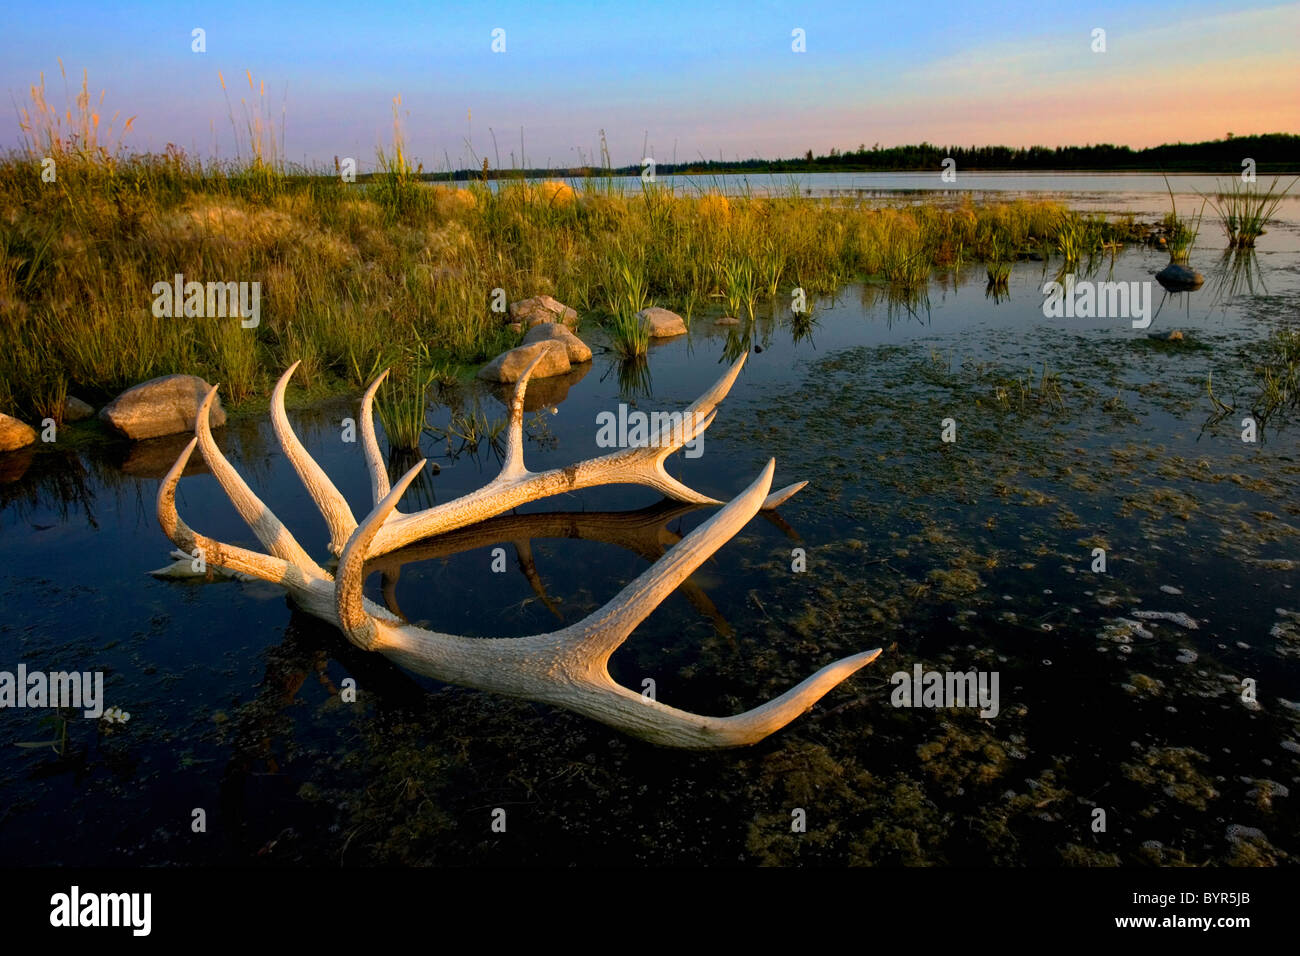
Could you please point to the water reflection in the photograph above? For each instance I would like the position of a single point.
(647, 533)
(1237, 273)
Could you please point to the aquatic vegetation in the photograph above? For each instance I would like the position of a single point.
(629, 335)
(1273, 388)
(1069, 241)
(471, 427)
(1180, 232)
(401, 403)
(1244, 209)
(998, 267)
(58, 722)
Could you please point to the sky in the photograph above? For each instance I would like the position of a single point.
(669, 79)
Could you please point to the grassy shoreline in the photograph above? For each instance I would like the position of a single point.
(401, 274)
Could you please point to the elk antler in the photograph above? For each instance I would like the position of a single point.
(567, 667)
(516, 485)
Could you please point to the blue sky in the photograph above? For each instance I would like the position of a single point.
(690, 78)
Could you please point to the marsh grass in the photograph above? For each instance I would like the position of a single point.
(402, 404)
(1274, 386)
(629, 336)
(399, 273)
(1244, 210)
(998, 265)
(1180, 231)
(468, 427)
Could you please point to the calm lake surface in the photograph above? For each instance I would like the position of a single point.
(1164, 691)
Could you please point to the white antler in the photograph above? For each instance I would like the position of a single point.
(516, 485)
(567, 667)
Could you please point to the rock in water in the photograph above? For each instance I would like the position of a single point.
(727, 320)
(15, 434)
(75, 410)
(161, 406)
(541, 308)
(662, 323)
(1178, 278)
(557, 332)
(508, 366)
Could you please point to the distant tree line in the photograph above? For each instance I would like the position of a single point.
(1272, 152)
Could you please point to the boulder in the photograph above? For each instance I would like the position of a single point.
(1178, 278)
(541, 308)
(508, 366)
(558, 332)
(15, 434)
(662, 323)
(75, 410)
(161, 406)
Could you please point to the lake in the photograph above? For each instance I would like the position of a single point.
(1159, 686)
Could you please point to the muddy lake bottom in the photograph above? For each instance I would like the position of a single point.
(1072, 435)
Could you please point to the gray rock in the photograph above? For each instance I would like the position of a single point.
(15, 434)
(75, 410)
(558, 332)
(161, 406)
(541, 308)
(1177, 278)
(508, 366)
(661, 322)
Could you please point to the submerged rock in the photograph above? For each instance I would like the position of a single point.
(727, 320)
(161, 406)
(578, 350)
(662, 323)
(1178, 278)
(15, 434)
(508, 366)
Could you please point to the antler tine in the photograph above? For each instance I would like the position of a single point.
(353, 617)
(603, 631)
(370, 445)
(259, 518)
(513, 467)
(661, 724)
(262, 566)
(332, 505)
(648, 462)
(568, 667)
(516, 485)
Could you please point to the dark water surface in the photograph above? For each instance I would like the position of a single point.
(1072, 434)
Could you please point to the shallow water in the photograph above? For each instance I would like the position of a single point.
(971, 554)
